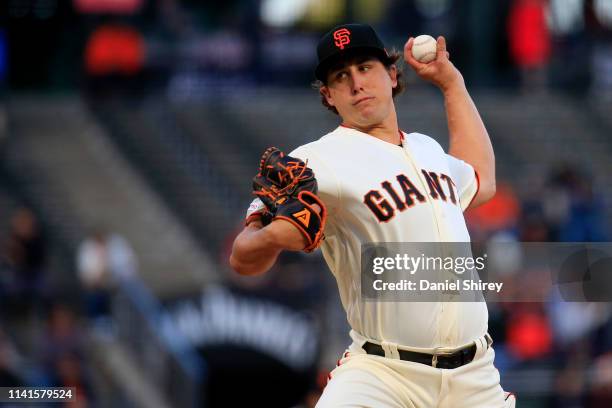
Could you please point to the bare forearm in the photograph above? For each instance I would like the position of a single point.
(256, 249)
(468, 137)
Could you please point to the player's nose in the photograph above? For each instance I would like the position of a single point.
(357, 83)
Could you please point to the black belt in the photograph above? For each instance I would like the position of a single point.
(448, 361)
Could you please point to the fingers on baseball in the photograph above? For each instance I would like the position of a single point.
(408, 49)
(441, 47)
(408, 45)
(409, 58)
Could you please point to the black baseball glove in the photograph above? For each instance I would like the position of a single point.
(288, 189)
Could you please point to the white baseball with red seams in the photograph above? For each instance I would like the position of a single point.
(424, 48)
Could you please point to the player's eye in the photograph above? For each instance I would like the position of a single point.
(341, 75)
(365, 68)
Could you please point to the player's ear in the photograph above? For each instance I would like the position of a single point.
(324, 91)
(393, 75)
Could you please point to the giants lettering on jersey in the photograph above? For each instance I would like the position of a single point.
(441, 187)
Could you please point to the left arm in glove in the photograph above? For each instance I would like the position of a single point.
(281, 176)
(288, 187)
(307, 213)
(257, 247)
(288, 196)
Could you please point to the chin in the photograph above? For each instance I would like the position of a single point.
(368, 120)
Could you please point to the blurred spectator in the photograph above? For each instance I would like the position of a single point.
(114, 58)
(102, 261)
(602, 343)
(586, 215)
(533, 226)
(114, 49)
(62, 335)
(505, 253)
(27, 255)
(529, 39)
(600, 395)
(567, 209)
(599, 24)
(556, 203)
(8, 376)
(572, 321)
(63, 352)
(570, 384)
(69, 372)
(577, 214)
(601, 71)
(528, 334)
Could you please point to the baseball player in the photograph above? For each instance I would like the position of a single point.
(369, 181)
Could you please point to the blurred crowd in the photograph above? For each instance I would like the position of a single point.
(566, 208)
(189, 47)
(571, 339)
(41, 339)
(45, 328)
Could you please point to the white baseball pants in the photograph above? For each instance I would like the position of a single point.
(368, 381)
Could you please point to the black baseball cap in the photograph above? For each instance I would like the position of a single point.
(344, 40)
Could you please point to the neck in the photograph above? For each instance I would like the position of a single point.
(387, 130)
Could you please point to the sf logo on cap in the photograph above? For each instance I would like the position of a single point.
(342, 37)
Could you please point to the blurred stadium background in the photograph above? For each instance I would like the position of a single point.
(129, 133)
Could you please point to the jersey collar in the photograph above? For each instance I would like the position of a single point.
(401, 133)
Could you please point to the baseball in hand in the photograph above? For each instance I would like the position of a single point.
(424, 48)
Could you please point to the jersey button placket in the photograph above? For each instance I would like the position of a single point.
(436, 213)
(424, 185)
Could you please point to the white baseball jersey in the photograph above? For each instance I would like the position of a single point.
(378, 192)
